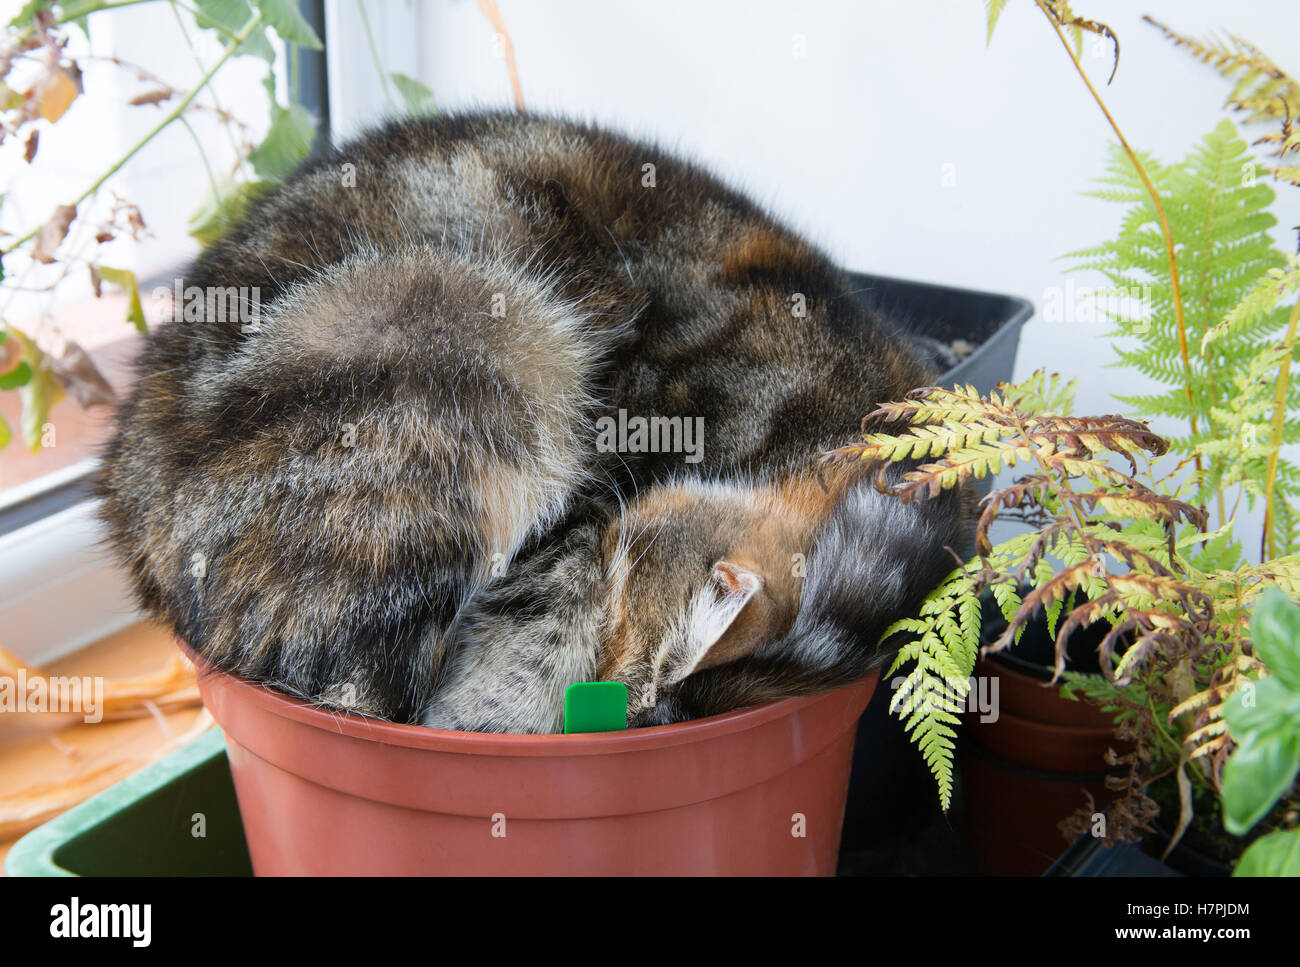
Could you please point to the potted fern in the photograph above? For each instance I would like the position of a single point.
(1140, 535)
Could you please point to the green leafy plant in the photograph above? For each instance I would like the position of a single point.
(1233, 278)
(1264, 720)
(1129, 530)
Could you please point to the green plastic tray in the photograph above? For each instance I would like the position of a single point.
(145, 825)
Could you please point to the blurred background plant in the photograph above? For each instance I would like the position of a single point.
(40, 80)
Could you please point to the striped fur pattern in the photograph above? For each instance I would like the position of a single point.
(871, 560)
(384, 495)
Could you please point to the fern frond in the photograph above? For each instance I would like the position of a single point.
(993, 11)
(1220, 221)
(1288, 173)
(1261, 88)
(1172, 598)
(1042, 393)
(942, 654)
(1258, 304)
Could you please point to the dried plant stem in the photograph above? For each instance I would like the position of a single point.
(220, 112)
(1160, 214)
(493, 13)
(374, 56)
(1267, 549)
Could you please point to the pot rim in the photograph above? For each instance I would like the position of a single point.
(1025, 671)
(1062, 730)
(421, 737)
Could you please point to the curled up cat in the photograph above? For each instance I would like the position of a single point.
(388, 492)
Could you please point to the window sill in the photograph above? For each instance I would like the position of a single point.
(59, 589)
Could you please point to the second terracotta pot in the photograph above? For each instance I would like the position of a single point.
(1040, 758)
(1029, 769)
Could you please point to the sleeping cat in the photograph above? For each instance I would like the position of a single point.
(384, 493)
(702, 596)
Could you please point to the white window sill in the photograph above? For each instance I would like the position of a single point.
(60, 590)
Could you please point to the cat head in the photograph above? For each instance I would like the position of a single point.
(699, 576)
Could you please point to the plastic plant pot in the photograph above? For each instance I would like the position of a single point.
(990, 321)
(1040, 759)
(761, 790)
(1029, 770)
(756, 791)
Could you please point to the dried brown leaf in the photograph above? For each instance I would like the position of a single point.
(152, 97)
(54, 231)
(78, 374)
(56, 95)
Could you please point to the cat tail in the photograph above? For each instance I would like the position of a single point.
(873, 561)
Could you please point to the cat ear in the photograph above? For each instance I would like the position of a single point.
(730, 618)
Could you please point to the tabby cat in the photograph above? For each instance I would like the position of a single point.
(385, 493)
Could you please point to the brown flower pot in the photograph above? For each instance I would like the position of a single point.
(758, 791)
(1028, 770)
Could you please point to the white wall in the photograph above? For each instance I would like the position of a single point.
(850, 141)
